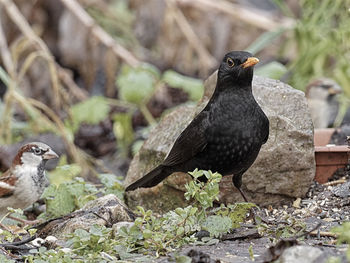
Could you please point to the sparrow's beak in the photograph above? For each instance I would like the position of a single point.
(334, 90)
(50, 154)
(250, 62)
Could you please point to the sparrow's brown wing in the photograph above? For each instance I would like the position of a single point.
(7, 184)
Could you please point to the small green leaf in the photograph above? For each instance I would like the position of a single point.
(237, 212)
(180, 231)
(64, 173)
(194, 87)
(251, 253)
(136, 85)
(147, 233)
(217, 225)
(90, 111)
(123, 131)
(61, 202)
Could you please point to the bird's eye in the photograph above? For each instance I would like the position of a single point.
(230, 62)
(36, 150)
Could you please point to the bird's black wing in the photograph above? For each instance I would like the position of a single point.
(191, 141)
(266, 129)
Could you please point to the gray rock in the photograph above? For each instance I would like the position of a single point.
(283, 170)
(106, 210)
(300, 254)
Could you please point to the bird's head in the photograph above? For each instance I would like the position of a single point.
(237, 68)
(322, 89)
(34, 154)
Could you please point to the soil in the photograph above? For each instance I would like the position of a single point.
(327, 205)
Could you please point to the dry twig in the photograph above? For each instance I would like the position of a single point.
(255, 18)
(323, 234)
(22, 24)
(5, 52)
(206, 58)
(74, 7)
(28, 32)
(5, 129)
(336, 182)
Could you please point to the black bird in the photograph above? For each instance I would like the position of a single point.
(226, 136)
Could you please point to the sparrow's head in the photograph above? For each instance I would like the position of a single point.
(237, 68)
(34, 154)
(322, 89)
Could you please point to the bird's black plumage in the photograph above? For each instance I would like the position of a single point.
(226, 136)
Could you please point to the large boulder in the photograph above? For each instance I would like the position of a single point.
(283, 170)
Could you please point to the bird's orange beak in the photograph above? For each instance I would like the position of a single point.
(250, 62)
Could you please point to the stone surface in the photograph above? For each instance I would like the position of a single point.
(283, 170)
(106, 210)
(301, 254)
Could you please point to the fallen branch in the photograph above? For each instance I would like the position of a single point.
(79, 12)
(66, 78)
(323, 234)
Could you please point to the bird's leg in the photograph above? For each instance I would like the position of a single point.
(243, 195)
(237, 182)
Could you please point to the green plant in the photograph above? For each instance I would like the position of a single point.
(320, 39)
(343, 233)
(204, 193)
(74, 194)
(149, 234)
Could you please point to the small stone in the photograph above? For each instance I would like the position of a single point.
(51, 239)
(323, 215)
(38, 242)
(300, 254)
(296, 203)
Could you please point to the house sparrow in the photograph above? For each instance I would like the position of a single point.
(323, 101)
(24, 182)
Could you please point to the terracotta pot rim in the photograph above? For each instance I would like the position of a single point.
(332, 148)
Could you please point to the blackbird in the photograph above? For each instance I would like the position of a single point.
(226, 136)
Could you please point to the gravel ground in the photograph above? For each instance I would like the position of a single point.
(327, 204)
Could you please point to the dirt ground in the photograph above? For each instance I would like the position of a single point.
(328, 205)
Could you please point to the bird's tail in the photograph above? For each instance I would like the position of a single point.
(151, 179)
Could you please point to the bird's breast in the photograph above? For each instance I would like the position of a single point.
(234, 136)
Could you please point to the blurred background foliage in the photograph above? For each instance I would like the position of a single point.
(100, 74)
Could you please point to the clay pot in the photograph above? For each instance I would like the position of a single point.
(329, 158)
